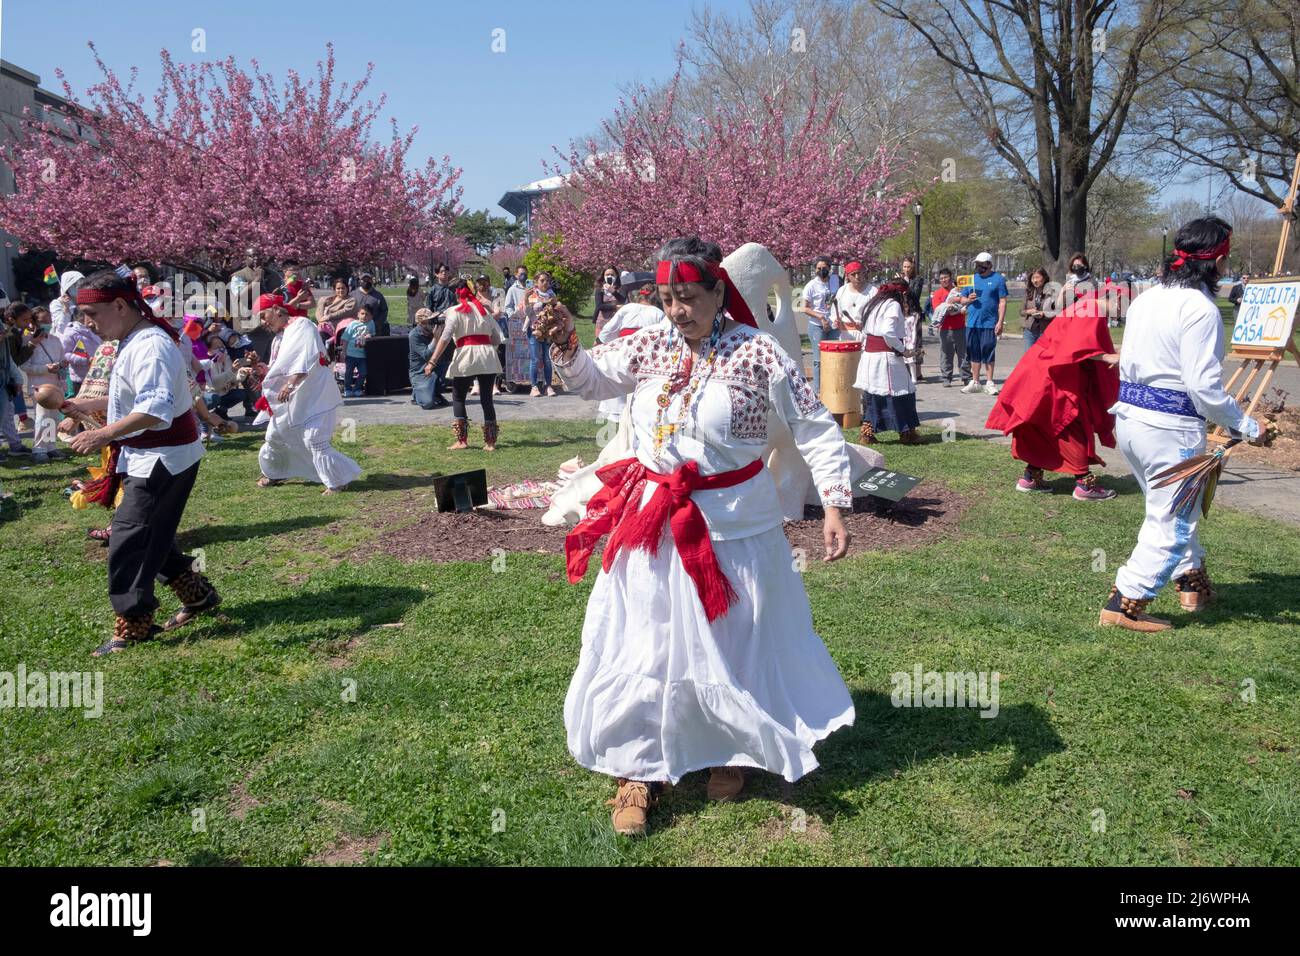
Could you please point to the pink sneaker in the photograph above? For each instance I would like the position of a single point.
(1089, 490)
(1033, 484)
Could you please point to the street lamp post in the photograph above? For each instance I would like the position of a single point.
(916, 257)
(1164, 243)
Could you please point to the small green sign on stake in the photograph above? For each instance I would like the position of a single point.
(890, 485)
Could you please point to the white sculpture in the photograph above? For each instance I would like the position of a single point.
(756, 273)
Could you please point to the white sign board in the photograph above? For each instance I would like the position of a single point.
(1267, 313)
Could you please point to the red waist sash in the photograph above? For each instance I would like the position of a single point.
(465, 340)
(877, 343)
(616, 508)
(183, 430)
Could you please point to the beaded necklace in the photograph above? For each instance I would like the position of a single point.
(681, 378)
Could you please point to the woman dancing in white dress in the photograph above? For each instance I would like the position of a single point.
(698, 649)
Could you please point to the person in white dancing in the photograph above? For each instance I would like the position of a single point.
(698, 648)
(300, 402)
(1171, 366)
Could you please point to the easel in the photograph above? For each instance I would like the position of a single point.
(1255, 358)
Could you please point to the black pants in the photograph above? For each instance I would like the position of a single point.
(460, 388)
(142, 545)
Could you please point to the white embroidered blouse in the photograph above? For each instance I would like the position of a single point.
(727, 423)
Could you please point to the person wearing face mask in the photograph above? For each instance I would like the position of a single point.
(366, 295)
(1171, 390)
(539, 363)
(817, 298)
(46, 366)
(698, 648)
(986, 311)
(609, 297)
(62, 308)
(79, 344)
(1078, 282)
(440, 299)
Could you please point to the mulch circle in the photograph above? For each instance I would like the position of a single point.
(930, 512)
(1283, 452)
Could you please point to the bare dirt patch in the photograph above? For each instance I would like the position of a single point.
(930, 512)
(348, 850)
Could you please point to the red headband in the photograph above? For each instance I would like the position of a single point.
(132, 295)
(467, 298)
(668, 272)
(1181, 257)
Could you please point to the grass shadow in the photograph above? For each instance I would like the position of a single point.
(884, 741)
(1265, 597)
(214, 534)
(375, 605)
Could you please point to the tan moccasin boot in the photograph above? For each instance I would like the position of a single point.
(1130, 613)
(725, 783)
(632, 807)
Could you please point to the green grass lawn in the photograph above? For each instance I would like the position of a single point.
(461, 672)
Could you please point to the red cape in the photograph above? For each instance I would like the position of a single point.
(1056, 399)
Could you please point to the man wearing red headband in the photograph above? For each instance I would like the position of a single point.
(156, 450)
(1171, 386)
(300, 401)
(698, 649)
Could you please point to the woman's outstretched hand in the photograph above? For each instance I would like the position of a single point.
(834, 535)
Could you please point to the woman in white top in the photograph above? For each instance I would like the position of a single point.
(45, 367)
(698, 648)
(888, 392)
(473, 329)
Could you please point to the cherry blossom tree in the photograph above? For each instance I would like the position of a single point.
(730, 177)
(220, 161)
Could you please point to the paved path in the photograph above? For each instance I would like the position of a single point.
(1245, 485)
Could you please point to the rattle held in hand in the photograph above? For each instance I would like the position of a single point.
(51, 397)
(551, 323)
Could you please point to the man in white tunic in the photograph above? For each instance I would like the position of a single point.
(152, 428)
(1170, 366)
(698, 648)
(301, 398)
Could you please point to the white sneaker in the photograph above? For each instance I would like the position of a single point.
(971, 387)
(990, 388)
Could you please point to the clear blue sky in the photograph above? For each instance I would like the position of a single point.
(496, 114)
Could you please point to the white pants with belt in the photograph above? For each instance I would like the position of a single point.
(1168, 545)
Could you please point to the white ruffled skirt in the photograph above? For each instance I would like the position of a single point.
(660, 692)
(305, 451)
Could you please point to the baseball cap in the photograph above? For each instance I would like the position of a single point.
(984, 257)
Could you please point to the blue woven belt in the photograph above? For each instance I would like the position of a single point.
(1167, 400)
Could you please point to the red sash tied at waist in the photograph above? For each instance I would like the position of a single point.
(877, 343)
(465, 340)
(615, 510)
(183, 430)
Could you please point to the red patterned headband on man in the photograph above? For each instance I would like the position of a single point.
(667, 272)
(1181, 257)
(131, 295)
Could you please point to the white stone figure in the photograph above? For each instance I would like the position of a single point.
(756, 274)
